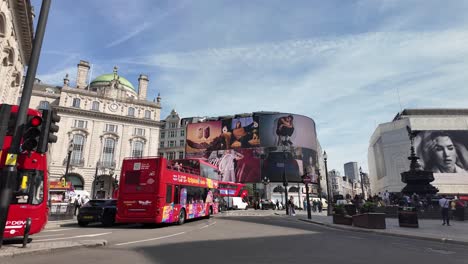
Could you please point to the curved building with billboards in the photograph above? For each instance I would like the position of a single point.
(251, 146)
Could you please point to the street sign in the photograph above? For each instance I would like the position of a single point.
(306, 179)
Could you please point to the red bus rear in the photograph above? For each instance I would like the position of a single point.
(31, 193)
(154, 190)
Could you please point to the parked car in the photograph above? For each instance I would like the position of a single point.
(266, 205)
(98, 211)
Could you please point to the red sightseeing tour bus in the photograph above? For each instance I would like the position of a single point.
(155, 190)
(232, 189)
(28, 208)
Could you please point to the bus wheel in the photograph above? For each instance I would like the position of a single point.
(181, 217)
(82, 224)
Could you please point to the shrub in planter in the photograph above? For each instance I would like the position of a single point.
(368, 207)
(340, 216)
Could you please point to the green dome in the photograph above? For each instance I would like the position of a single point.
(106, 78)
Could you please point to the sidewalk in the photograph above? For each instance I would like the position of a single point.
(10, 250)
(429, 229)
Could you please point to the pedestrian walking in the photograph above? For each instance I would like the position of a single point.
(77, 204)
(444, 205)
(277, 204)
(291, 206)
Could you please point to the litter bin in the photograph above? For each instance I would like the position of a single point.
(408, 217)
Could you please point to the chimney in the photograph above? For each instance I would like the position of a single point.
(142, 86)
(82, 75)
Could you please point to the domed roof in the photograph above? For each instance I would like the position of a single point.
(107, 78)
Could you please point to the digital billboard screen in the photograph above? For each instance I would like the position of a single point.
(443, 151)
(247, 148)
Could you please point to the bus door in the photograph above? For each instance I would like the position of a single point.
(169, 210)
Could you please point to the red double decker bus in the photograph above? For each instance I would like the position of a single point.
(232, 189)
(28, 211)
(155, 190)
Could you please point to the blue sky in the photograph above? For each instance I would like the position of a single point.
(343, 63)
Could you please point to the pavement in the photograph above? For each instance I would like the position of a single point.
(429, 229)
(13, 247)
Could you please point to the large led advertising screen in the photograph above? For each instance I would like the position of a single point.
(443, 151)
(248, 148)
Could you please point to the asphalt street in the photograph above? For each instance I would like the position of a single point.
(240, 239)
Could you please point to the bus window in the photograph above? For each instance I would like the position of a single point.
(168, 194)
(176, 195)
(30, 187)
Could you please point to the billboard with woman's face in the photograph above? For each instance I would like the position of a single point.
(248, 148)
(443, 151)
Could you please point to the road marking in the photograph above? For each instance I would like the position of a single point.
(354, 237)
(207, 225)
(440, 251)
(63, 238)
(58, 230)
(48, 235)
(151, 239)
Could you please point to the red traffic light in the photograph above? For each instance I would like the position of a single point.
(36, 121)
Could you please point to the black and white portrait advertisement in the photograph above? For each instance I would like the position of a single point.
(443, 151)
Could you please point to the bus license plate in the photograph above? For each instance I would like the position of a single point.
(88, 217)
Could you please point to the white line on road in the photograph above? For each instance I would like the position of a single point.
(151, 239)
(63, 238)
(58, 230)
(207, 225)
(48, 235)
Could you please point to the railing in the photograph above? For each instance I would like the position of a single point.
(74, 162)
(106, 164)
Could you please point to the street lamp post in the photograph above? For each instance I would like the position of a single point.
(362, 183)
(265, 182)
(70, 150)
(306, 179)
(329, 201)
(285, 182)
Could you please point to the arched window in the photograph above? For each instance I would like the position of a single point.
(278, 189)
(294, 189)
(147, 114)
(9, 57)
(131, 111)
(137, 149)
(44, 105)
(95, 106)
(108, 152)
(2, 25)
(78, 146)
(76, 180)
(76, 102)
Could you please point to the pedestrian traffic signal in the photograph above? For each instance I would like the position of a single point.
(31, 133)
(48, 128)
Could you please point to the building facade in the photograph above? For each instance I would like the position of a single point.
(172, 137)
(343, 185)
(16, 35)
(351, 170)
(101, 124)
(441, 141)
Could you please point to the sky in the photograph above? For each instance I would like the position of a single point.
(349, 65)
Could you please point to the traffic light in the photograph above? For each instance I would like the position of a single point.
(31, 133)
(48, 128)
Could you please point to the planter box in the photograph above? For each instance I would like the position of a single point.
(370, 220)
(342, 219)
